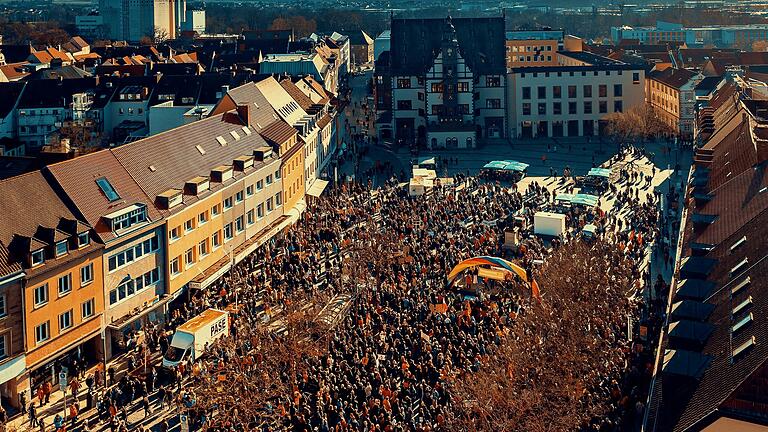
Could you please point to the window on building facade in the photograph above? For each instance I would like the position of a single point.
(493, 81)
(541, 92)
(175, 266)
(43, 332)
(602, 107)
(86, 274)
(128, 256)
(189, 257)
(617, 90)
(216, 240)
(260, 210)
(572, 108)
(526, 92)
(228, 203)
(403, 83)
(587, 91)
(602, 90)
(239, 225)
(493, 103)
(557, 108)
(462, 87)
(557, 92)
(587, 107)
(526, 108)
(572, 92)
(404, 104)
(65, 321)
(618, 106)
(65, 284)
(86, 309)
(437, 87)
(635, 77)
(202, 248)
(542, 108)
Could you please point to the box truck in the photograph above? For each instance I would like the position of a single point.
(548, 224)
(192, 337)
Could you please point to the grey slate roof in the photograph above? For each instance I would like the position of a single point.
(415, 43)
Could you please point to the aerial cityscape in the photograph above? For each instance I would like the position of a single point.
(393, 216)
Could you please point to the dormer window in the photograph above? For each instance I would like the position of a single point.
(133, 215)
(83, 239)
(61, 248)
(38, 257)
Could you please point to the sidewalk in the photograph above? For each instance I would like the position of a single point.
(56, 403)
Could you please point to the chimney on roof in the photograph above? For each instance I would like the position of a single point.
(245, 112)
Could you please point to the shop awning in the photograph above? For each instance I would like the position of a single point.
(317, 188)
(13, 368)
(580, 199)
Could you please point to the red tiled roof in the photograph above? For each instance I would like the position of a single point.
(674, 78)
(278, 132)
(303, 100)
(77, 177)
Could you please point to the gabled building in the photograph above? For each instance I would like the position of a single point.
(61, 297)
(448, 86)
(361, 48)
(99, 190)
(281, 136)
(671, 95)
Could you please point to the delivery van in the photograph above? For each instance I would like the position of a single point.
(193, 336)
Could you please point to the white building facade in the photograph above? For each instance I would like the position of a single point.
(562, 101)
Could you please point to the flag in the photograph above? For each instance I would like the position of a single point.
(535, 290)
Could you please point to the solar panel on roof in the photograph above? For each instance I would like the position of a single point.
(107, 188)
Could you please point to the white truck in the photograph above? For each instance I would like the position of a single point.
(192, 337)
(548, 224)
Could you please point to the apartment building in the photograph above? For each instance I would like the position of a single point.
(61, 296)
(671, 95)
(219, 185)
(99, 190)
(533, 47)
(447, 86)
(136, 19)
(573, 98)
(280, 135)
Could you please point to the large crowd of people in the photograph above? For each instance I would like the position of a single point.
(389, 364)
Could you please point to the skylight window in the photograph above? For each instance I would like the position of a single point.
(743, 305)
(738, 243)
(221, 140)
(235, 135)
(107, 189)
(742, 322)
(247, 131)
(740, 286)
(741, 349)
(738, 268)
(200, 149)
